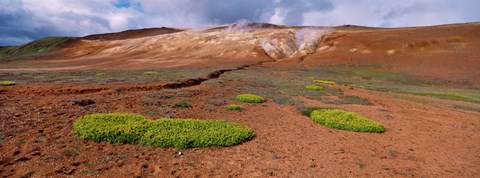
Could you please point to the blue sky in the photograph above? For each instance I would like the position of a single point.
(24, 20)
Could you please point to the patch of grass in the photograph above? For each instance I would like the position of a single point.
(314, 87)
(450, 97)
(325, 82)
(182, 104)
(150, 73)
(468, 108)
(234, 107)
(250, 98)
(340, 119)
(101, 74)
(179, 133)
(7, 83)
(347, 99)
(112, 77)
(367, 73)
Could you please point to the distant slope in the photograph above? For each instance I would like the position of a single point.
(130, 34)
(32, 49)
(446, 52)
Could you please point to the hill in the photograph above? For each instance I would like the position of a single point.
(446, 52)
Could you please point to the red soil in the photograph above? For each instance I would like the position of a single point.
(422, 140)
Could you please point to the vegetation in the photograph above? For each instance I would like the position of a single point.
(325, 82)
(179, 133)
(308, 111)
(347, 99)
(31, 49)
(340, 119)
(450, 97)
(468, 108)
(101, 74)
(367, 73)
(150, 73)
(182, 104)
(112, 77)
(234, 107)
(7, 83)
(314, 87)
(250, 98)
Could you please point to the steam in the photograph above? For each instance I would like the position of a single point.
(308, 40)
(310, 36)
(247, 26)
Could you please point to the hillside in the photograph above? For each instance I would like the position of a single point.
(447, 52)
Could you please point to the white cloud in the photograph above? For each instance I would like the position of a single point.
(379, 13)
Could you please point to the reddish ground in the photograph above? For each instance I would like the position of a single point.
(423, 139)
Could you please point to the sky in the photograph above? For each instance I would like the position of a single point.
(22, 21)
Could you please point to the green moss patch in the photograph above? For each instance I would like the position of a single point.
(468, 108)
(250, 98)
(325, 82)
(150, 73)
(101, 74)
(182, 104)
(234, 107)
(314, 87)
(7, 83)
(450, 97)
(344, 120)
(178, 133)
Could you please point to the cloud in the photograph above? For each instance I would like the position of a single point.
(380, 13)
(25, 20)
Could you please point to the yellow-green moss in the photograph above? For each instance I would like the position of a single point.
(344, 120)
(7, 83)
(250, 98)
(179, 133)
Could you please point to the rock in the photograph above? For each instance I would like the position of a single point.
(82, 102)
(279, 48)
